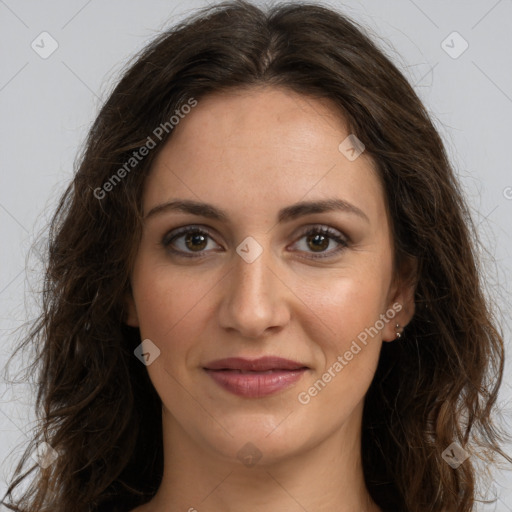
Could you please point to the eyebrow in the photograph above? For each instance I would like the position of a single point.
(286, 214)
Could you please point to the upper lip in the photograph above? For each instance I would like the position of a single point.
(256, 365)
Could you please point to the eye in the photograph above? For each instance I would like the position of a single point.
(192, 241)
(319, 238)
(189, 240)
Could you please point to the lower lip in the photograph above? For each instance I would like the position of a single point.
(255, 384)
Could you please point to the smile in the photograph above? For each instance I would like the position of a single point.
(255, 384)
(255, 378)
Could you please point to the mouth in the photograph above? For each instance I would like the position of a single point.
(262, 364)
(255, 378)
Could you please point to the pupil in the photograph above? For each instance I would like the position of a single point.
(196, 238)
(319, 238)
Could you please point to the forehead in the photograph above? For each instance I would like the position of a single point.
(262, 146)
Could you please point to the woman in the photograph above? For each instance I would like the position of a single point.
(262, 290)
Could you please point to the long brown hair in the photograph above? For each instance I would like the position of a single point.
(438, 385)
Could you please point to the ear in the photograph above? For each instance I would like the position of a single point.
(131, 317)
(401, 299)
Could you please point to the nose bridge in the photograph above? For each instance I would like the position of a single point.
(253, 302)
(250, 279)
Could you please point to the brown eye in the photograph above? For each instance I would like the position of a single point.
(195, 241)
(319, 238)
(318, 242)
(187, 241)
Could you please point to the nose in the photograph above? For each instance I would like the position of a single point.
(256, 300)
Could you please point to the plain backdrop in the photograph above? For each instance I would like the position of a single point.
(48, 104)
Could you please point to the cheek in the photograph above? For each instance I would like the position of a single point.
(172, 314)
(348, 304)
(346, 329)
(347, 352)
(171, 306)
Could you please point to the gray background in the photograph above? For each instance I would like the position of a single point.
(47, 106)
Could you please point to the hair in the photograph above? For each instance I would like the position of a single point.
(95, 402)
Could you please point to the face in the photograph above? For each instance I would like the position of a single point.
(261, 272)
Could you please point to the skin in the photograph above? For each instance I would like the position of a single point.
(251, 153)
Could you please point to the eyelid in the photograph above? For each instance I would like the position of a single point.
(183, 230)
(332, 233)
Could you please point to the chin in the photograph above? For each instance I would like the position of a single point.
(259, 439)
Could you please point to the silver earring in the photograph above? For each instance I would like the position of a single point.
(398, 334)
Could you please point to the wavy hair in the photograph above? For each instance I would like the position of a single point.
(95, 403)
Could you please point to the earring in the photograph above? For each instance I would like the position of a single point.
(398, 334)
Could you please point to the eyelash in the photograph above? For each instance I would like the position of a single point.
(332, 234)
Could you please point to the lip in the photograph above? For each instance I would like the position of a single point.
(257, 377)
(261, 364)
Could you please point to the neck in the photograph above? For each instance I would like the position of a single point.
(326, 477)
